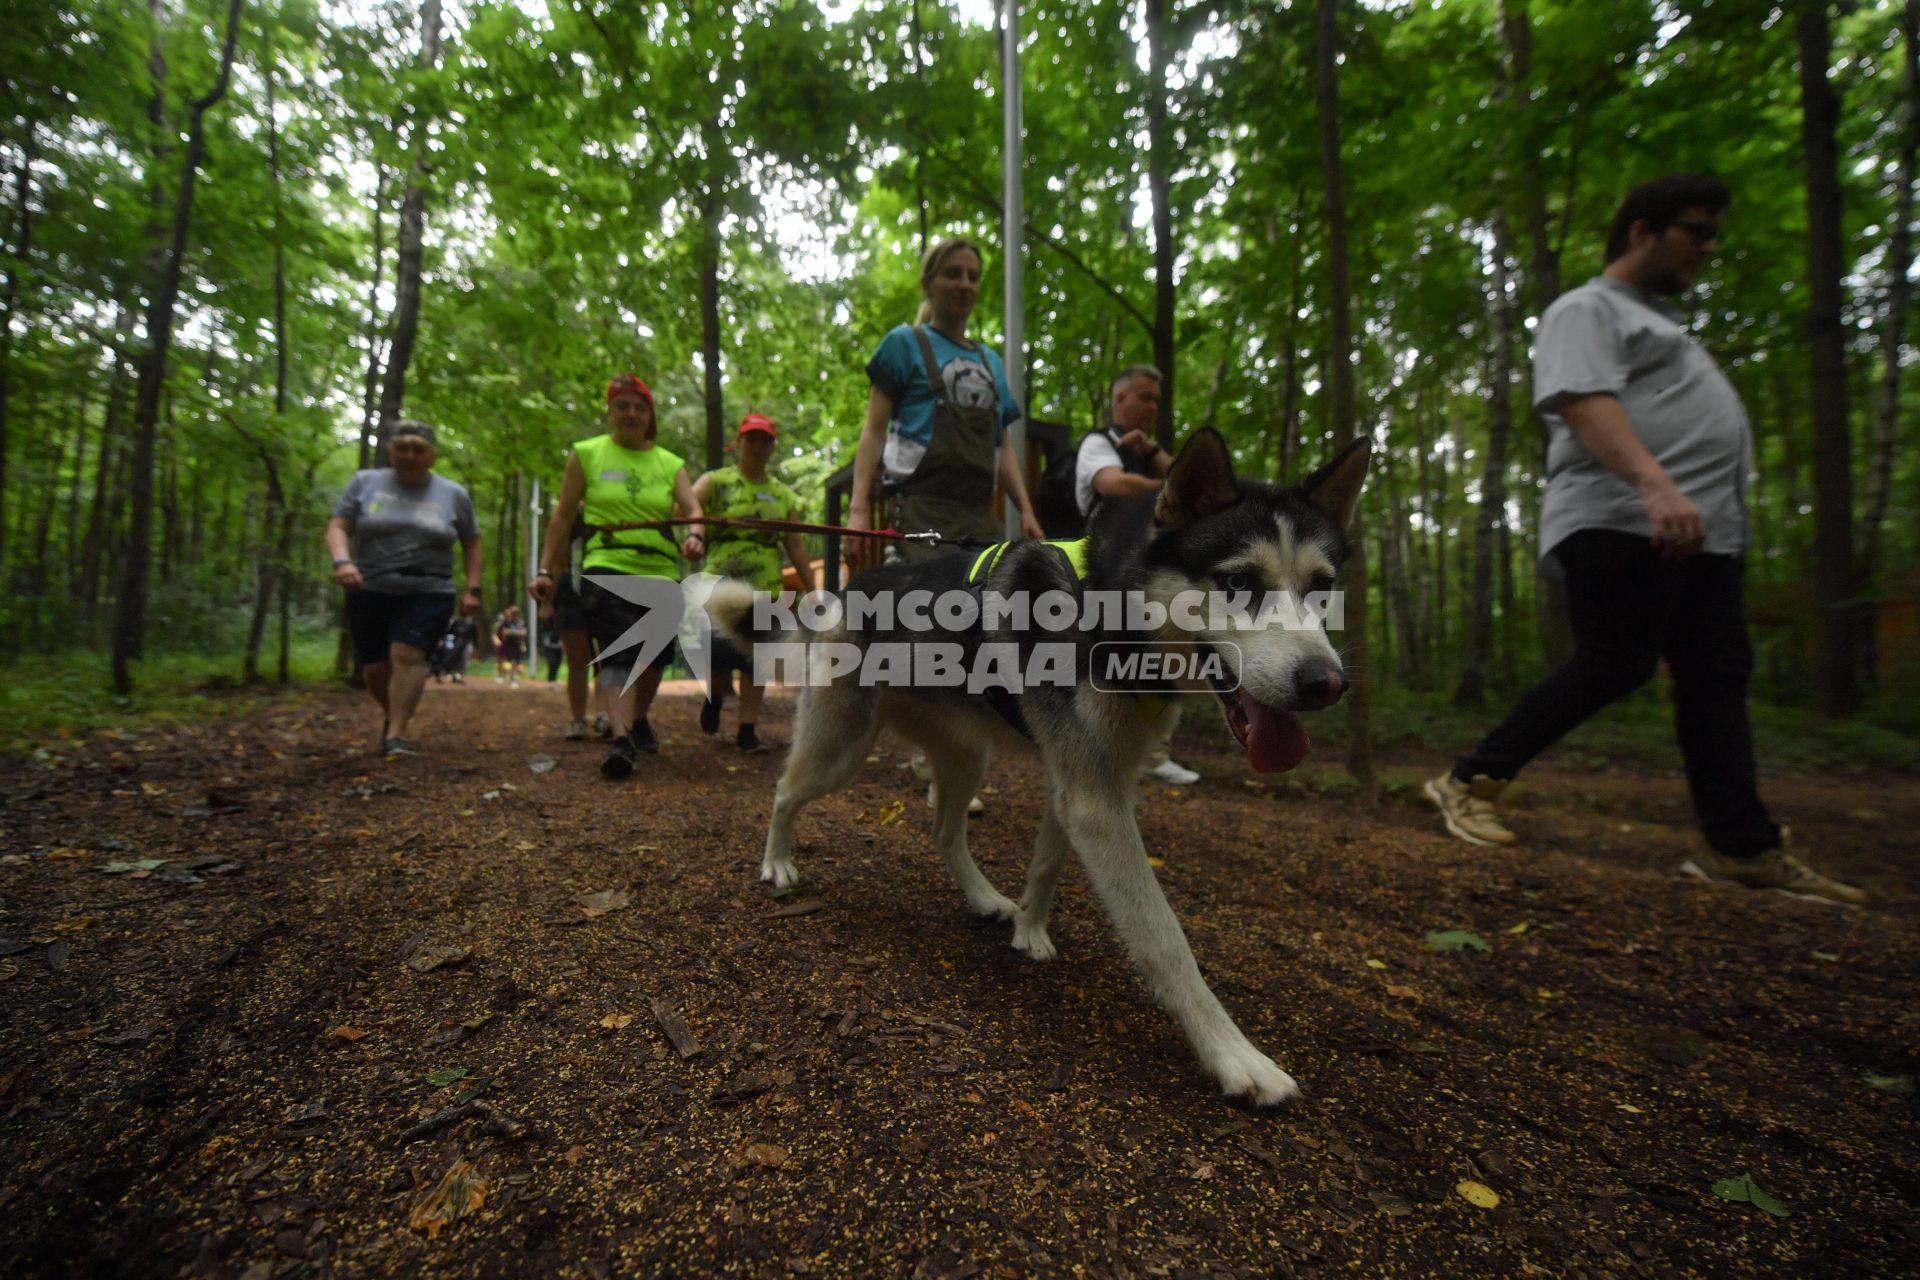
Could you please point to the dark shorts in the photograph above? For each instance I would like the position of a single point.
(378, 622)
(569, 614)
(608, 618)
(513, 651)
(728, 658)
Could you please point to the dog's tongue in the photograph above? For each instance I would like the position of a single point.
(1276, 740)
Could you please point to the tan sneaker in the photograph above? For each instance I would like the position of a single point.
(1468, 808)
(1775, 869)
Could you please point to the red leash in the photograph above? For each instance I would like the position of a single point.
(766, 526)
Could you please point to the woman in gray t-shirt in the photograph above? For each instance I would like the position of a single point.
(402, 522)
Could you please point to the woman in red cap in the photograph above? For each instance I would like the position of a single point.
(622, 477)
(751, 555)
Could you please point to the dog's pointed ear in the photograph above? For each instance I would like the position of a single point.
(1335, 487)
(1199, 483)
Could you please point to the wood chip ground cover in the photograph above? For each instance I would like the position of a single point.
(628, 1059)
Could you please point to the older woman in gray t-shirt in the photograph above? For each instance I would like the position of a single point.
(402, 521)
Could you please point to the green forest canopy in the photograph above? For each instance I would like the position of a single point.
(582, 164)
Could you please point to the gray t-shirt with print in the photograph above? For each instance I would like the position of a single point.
(1608, 337)
(403, 538)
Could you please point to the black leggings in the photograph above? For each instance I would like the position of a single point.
(1630, 608)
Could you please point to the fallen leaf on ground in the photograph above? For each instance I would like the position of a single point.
(1478, 1194)
(1402, 993)
(616, 1021)
(445, 1076)
(764, 1154)
(1156, 863)
(76, 924)
(1455, 940)
(347, 1033)
(1888, 1084)
(436, 956)
(121, 868)
(1375, 964)
(1744, 1190)
(133, 1035)
(459, 1193)
(804, 907)
(595, 905)
(1519, 928)
(890, 812)
(1828, 956)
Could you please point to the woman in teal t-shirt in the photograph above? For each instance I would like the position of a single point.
(623, 477)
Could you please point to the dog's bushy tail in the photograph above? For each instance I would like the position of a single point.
(731, 606)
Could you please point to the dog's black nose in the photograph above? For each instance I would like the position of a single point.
(1320, 686)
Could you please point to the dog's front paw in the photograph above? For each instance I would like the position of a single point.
(1245, 1072)
(779, 872)
(1031, 940)
(991, 905)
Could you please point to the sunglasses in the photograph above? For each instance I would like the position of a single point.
(1703, 233)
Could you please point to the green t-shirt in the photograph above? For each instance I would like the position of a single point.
(751, 555)
(625, 486)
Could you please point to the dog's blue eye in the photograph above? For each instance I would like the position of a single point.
(1237, 582)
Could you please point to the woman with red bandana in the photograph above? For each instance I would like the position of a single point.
(623, 477)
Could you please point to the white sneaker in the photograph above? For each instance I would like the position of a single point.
(1167, 771)
(975, 805)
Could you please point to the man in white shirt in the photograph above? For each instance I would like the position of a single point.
(1121, 460)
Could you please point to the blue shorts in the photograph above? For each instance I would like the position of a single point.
(378, 622)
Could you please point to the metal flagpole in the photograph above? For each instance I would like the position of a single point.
(1013, 239)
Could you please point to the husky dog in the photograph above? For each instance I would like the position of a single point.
(1204, 531)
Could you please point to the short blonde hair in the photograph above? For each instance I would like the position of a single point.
(935, 258)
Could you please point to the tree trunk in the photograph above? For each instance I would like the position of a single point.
(1160, 186)
(1899, 298)
(1340, 364)
(264, 566)
(1394, 559)
(9, 303)
(412, 248)
(370, 408)
(1834, 586)
(1478, 664)
(130, 615)
(711, 207)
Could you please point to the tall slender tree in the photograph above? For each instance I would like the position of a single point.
(1340, 369)
(1835, 588)
(411, 251)
(130, 618)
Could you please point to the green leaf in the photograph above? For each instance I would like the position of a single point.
(142, 864)
(445, 1076)
(1455, 940)
(1888, 1084)
(1826, 955)
(1744, 1190)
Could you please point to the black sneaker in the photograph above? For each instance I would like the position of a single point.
(709, 716)
(643, 738)
(619, 761)
(749, 741)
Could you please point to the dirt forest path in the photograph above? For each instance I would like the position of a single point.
(449, 1016)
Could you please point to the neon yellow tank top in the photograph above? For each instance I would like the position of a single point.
(624, 486)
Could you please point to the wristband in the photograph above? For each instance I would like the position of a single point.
(543, 573)
(338, 563)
